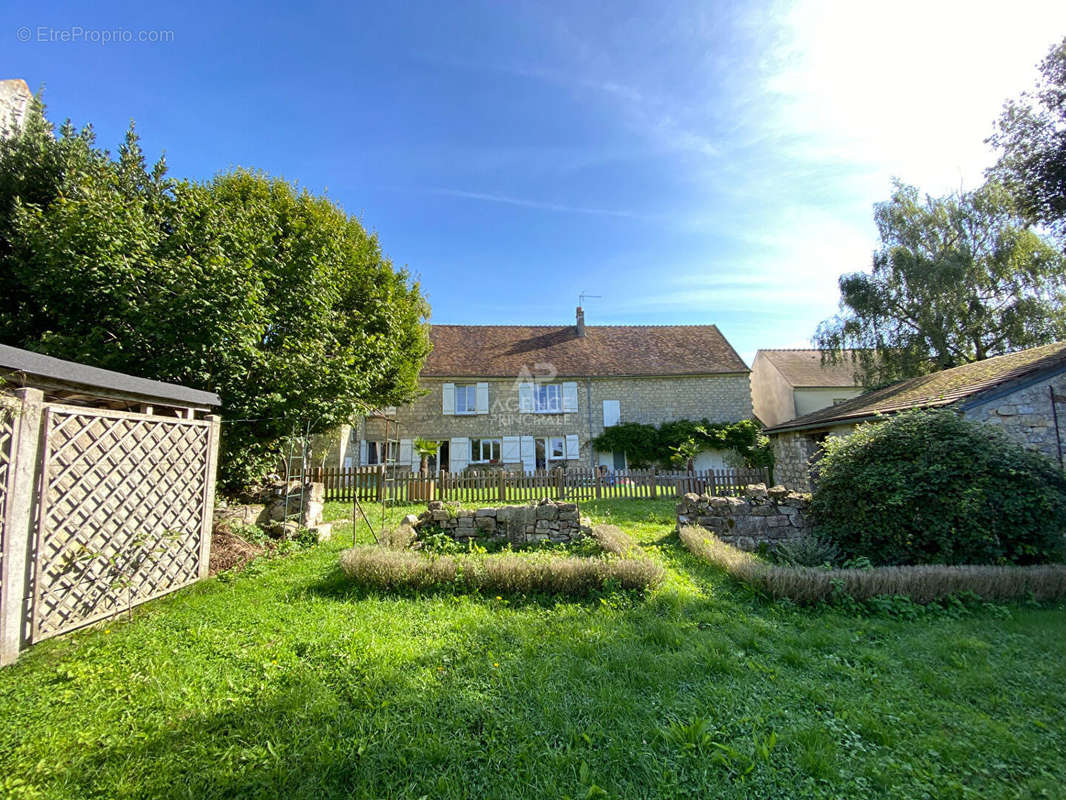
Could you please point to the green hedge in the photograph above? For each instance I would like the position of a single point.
(929, 487)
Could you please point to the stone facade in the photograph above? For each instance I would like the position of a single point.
(793, 454)
(1025, 415)
(761, 516)
(648, 400)
(542, 521)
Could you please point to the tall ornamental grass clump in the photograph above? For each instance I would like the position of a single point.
(930, 487)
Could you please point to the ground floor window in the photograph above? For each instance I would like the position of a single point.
(384, 452)
(556, 448)
(484, 451)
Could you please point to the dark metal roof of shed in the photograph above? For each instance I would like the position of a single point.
(55, 372)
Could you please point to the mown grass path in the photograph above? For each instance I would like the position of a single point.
(287, 682)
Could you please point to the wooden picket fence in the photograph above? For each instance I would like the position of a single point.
(380, 483)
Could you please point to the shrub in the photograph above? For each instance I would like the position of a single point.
(922, 584)
(504, 573)
(806, 551)
(929, 487)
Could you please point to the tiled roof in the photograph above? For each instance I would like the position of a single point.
(938, 389)
(604, 351)
(803, 368)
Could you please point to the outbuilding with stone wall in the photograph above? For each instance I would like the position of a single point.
(1023, 393)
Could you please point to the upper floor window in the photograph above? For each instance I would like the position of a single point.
(547, 397)
(466, 399)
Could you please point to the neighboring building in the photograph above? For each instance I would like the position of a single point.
(786, 384)
(533, 397)
(1017, 392)
(15, 99)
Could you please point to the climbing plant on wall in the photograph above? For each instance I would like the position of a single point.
(647, 445)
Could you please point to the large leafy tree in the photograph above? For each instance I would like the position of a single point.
(956, 279)
(244, 285)
(1031, 134)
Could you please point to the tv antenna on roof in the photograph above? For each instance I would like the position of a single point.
(581, 298)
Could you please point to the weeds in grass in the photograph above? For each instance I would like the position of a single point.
(613, 539)
(503, 573)
(920, 584)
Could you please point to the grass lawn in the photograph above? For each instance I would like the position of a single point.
(286, 682)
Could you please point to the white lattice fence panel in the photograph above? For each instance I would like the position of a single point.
(121, 515)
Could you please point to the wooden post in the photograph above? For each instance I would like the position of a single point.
(19, 523)
(209, 493)
(599, 480)
(381, 482)
(654, 484)
(560, 483)
(503, 486)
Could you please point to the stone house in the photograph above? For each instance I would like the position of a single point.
(533, 397)
(1022, 392)
(786, 384)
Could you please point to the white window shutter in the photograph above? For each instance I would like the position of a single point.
(416, 459)
(529, 454)
(448, 394)
(511, 452)
(525, 398)
(362, 452)
(405, 452)
(612, 412)
(569, 396)
(482, 398)
(573, 448)
(458, 454)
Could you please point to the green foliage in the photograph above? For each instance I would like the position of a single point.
(807, 551)
(956, 279)
(1031, 136)
(244, 285)
(929, 487)
(674, 443)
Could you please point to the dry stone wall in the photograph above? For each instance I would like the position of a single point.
(761, 516)
(542, 521)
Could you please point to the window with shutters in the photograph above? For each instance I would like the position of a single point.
(547, 398)
(466, 399)
(483, 451)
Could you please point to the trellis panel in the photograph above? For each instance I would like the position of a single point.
(122, 513)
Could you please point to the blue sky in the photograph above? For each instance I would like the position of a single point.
(691, 162)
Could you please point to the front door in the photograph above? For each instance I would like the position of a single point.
(442, 456)
(542, 453)
(619, 460)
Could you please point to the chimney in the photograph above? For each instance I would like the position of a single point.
(580, 322)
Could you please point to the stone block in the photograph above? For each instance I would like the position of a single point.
(504, 513)
(440, 515)
(777, 492)
(323, 532)
(466, 522)
(485, 512)
(485, 523)
(763, 511)
(410, 520)
(755, 491)
(547, 512)
(746, 543)
(568, 507)
(778, 521)
(692, 498)
(568, 516)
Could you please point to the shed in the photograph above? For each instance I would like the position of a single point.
(1021, 392)
(106, 493)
